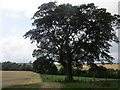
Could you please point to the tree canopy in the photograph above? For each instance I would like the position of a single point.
(73, 35)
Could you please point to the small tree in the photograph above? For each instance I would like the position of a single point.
(73, 35)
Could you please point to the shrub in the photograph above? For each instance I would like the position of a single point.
(44, 66)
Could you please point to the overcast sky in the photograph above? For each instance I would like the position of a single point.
(15, 20)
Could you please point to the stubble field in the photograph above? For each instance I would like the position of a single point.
(10, 78)
(108, 66)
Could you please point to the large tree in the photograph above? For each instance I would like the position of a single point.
(73, 35)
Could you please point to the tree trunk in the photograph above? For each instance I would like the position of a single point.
(69, 77)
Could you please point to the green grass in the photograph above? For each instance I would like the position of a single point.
(91, 84)
(49, 78)
(84, 82)
(58, 66)
(52, 78)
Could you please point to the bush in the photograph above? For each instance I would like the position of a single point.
(61, 71)
(44, 66)
(99, 71)
(102, 72)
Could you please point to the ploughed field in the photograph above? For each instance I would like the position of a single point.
(10, 78)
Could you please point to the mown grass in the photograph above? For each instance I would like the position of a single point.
(58, 66)
(82, 82)
(53, 78)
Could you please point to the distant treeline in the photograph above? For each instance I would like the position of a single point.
(12, 66)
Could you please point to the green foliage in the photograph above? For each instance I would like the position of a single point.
(44, 66)
(10, 66)
(99, 71)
